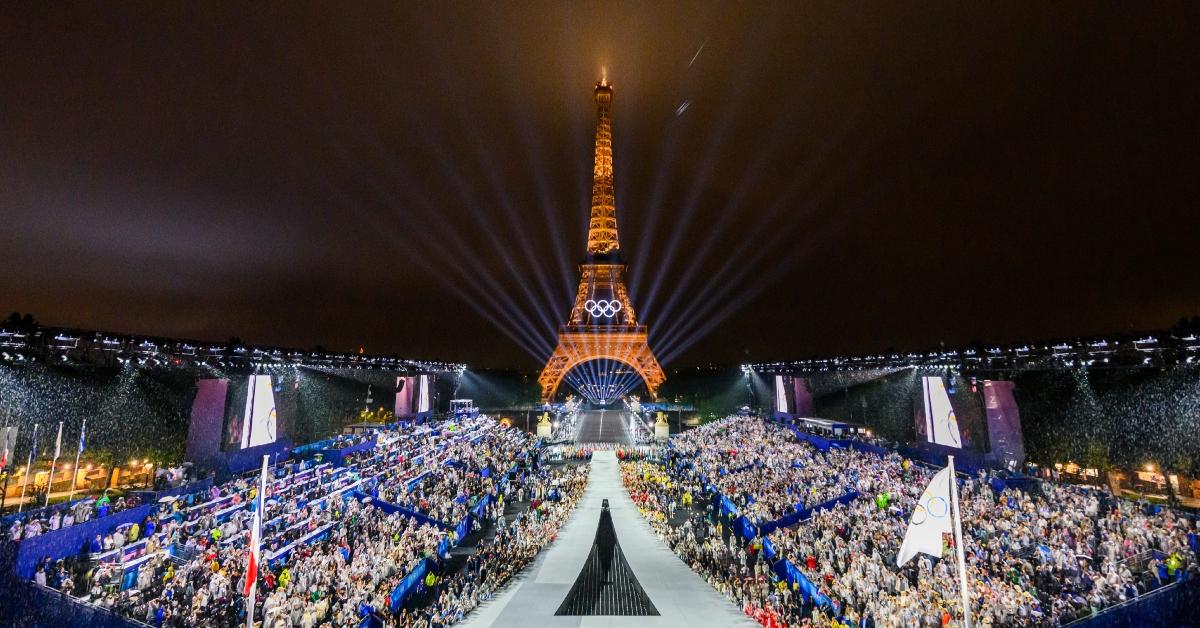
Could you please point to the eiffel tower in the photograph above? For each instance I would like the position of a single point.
(603, 323)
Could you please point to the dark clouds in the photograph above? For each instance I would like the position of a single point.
(887, 175)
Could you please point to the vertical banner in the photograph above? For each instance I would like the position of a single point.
(404, 386)
(208, 419)
(804, 399)
(1004, 422)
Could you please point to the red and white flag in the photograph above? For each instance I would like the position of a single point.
(256, 540)
(8, 444)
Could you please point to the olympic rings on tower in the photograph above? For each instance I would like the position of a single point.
(603, 307)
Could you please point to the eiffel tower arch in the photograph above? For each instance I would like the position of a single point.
(603, 324)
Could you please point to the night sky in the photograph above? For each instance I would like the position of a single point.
(414, 178)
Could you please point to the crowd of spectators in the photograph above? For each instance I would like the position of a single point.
(734, 566)
(764, 469)
(1039, 557)
(331, 556)
(552, 495)
(584, 452)
(339, 579)
(56, 517)
(1034, 558)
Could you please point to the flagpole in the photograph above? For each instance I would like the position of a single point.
(958, 546)
(4, 494)
(255, 542)
(78, 452)
(53, 462)
(28, 469)
(4, 468)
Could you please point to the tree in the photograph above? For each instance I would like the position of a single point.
(21, 323)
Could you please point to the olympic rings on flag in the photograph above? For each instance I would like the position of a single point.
(935, 507)
(603, 307)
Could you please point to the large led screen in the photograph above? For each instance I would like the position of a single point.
(422, 394)
(941, 422)
(781, 397)
(260, 422)
(252, 417)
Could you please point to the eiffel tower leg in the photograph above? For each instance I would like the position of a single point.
(553, 373)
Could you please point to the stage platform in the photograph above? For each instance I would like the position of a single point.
(681, 597)
(604, 426)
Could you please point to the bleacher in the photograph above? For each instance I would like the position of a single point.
(407, 459)
(1167, 603)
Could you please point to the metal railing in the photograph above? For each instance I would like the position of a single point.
(183, 553)
(1087, 615)
(67, 599)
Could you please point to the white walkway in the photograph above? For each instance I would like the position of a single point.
(680, 595)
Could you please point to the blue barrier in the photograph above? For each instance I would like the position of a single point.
(965, 460)
(407, 586)
(22, 556)
(411, 484)
(820, 442)
(769, 549)
(338, 456)
(313, 447)
(800, 515)
(869, 448)
(727, 505)
(790, 573)
(742, 526)
(40, 513)
(27, 604)
(148, 497)
(391, 508)
(235, 461)
(371, 621)
(320, 534)
(481, 508)
(462, 529)
(1171, 605)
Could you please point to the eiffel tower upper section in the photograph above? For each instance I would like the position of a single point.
(602, 299)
